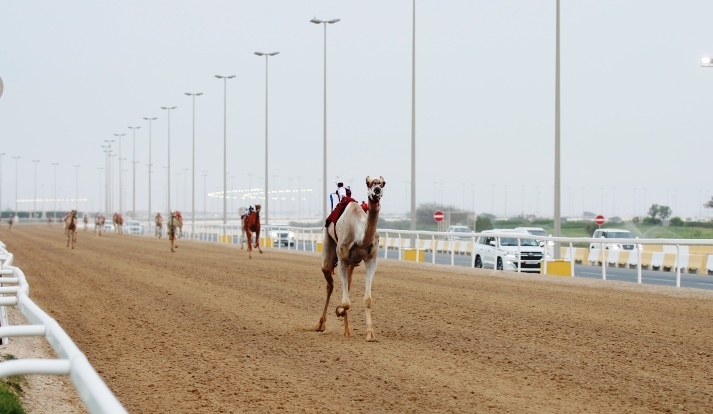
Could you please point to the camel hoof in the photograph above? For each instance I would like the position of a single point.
(321, 325)
(370, 337)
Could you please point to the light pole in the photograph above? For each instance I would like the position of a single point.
(557, 221)
(76, 197)
(149, 212)
(100, 189)
(185, 201)
(267, 55)
(1, 185)
(121, 204)
(16, 211)
(34, 208)
(133, 163)
(55, 164)
(205, 192)
(225, 147)
(324, 150)
(109, 184)
(168, 110)
(413, 120)
(193, 165)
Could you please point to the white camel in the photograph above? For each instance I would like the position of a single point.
(355, 240)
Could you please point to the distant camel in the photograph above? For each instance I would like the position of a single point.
(9, 223)
(118, 223)
(349, 240)
(70, 223)
(172, 228)
(251, 225)
(86, 221)
(159, 225)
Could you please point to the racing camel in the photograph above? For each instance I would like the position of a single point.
(99, 224)
(159, 225)
(86, 221)
(70, 224)
(9, 223)
(350, 239)
(172, 228)
(180, 224)
(251, 225)
(118, 223)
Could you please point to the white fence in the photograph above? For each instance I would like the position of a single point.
(14, 291)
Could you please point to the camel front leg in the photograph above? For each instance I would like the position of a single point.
(350, 270)
(343, 309)
(329, 257)
(370, 266)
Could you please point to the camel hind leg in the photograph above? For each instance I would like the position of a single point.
(329, 258)
(249, 236)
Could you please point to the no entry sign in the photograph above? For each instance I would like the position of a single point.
(438, 215)
(599, 220)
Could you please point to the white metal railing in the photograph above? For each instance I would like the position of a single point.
(92, 390)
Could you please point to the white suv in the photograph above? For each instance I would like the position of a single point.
(612, 234)
(133, 227)
(501, 253)
(458, 229)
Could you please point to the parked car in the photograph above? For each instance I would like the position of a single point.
(286, 237)
(458, 229)
(531, 253)
(536, 231)
(108, 226)
(133, 227)
(612, 234)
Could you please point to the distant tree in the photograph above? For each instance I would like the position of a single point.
(590, 226)
(676, 222)
(709, 204)
(658, 212)
(482, 223)
(636, 220)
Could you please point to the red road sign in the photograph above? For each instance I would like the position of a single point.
(438, 216)
(599, 220)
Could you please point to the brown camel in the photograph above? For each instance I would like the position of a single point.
(348, 242)
(172, 229)
(70, 225)
(159, 225)
(251, 224)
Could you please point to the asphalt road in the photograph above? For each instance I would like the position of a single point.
(651, 277)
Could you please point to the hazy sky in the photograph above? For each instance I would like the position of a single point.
(635, 119)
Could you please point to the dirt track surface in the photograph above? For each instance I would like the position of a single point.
(206, 330)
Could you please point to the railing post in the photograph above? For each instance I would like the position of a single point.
(678, 265)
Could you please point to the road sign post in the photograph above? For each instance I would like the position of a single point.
(599, 220)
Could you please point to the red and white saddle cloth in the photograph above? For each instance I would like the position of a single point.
(337, 212)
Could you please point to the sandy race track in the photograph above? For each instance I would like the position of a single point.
(206, 330)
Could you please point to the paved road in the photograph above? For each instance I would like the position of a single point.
(651, 277)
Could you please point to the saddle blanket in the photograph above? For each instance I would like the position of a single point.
(337, 212)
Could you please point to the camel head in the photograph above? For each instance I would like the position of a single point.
(375, 188)
(258, 207)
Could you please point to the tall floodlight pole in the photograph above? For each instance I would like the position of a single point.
(55, 164)
(1, 184)
(34, 205)
(324, 149)
(121, 204)
(76, 196)
(205, 192)
(100, 189)
(185, 201)
(193, 165)
(133, 163)
(150, 167)
(557, 223)
(109, 184)
(267, 55)
(225, 147)
(413, 120)
(168, 110)
(16, 211)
